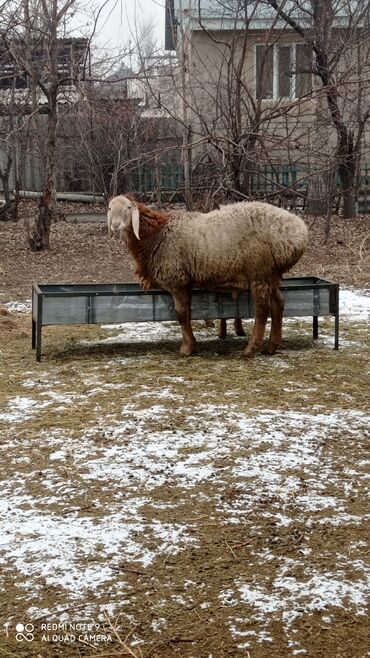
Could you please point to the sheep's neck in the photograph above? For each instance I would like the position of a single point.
(143, 250)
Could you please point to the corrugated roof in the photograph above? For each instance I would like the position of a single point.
(223, 14)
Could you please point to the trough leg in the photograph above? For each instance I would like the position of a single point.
(38, 341)
(336, 331)
(39, 327)
(182, 300)
(315, 326)
(33, 334)
(277, 310)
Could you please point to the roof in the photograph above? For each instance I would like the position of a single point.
(233, 14)
(262, 10)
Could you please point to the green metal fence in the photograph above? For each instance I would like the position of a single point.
(272, 178)
(265, 179)
(164, 177)
(275, 178)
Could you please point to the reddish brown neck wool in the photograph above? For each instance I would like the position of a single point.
(151, 221)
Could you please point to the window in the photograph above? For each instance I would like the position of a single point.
(283, 71)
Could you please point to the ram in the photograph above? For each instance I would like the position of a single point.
(244, 245)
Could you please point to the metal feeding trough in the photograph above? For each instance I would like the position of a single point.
(128, 302)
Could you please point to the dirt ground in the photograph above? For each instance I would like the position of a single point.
(182, 508)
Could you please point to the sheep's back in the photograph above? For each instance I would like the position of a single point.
(230, 246)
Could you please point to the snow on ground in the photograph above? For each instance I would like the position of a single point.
(354, 305)
(283, 456)
(276, 449)
(18, 307)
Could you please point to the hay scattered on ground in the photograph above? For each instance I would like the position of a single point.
(187, 507)
(203, 507)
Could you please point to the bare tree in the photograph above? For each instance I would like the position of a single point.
(112, 140)
(338, 32)
(35, 38)
(231, 123)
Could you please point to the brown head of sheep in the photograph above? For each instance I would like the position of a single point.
(245, 245)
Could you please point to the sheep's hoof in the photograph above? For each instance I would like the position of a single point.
(271, 348)
(249, 353)
(239, 329)
(186, 350)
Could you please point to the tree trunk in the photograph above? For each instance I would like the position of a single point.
(16, 201)
(40, 238)
(6, 190)
(347, 172)
(7, 210)
(4, 176)
(186, 158)
(349, 196)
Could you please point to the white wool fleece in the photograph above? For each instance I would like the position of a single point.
(231, 247)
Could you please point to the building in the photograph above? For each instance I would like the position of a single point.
(22, 130)
(252, 89)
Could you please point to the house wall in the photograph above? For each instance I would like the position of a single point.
(298, 131)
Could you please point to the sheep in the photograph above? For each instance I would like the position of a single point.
(245, 245)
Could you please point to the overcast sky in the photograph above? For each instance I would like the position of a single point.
(119, 19)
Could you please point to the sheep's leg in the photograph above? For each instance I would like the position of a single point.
(261, 298)
(239, 329)
(182, 301)
(222, 328)
(277, 310)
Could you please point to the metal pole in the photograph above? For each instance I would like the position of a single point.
(336, 326)
(184, 64)
(39, 328)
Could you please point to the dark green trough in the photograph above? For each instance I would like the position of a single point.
(108, 303)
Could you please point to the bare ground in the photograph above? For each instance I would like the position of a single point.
(201, 507)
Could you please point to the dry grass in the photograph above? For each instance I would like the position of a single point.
(117, 436)
(114, 386)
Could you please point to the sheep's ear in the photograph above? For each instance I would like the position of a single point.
(135, 219)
